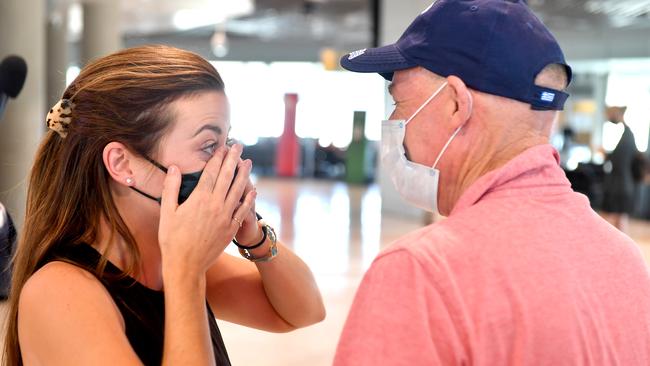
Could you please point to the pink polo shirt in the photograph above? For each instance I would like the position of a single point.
(522, 272)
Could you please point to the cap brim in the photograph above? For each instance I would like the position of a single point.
(382, 60)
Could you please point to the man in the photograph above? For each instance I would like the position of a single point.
(522, 272)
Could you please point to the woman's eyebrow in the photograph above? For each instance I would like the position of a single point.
(209, 127)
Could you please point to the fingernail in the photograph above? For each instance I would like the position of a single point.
(173, 169)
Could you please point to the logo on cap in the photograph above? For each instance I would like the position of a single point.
(547, 97)
(356, 54)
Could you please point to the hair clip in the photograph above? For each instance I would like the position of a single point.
(59, 117)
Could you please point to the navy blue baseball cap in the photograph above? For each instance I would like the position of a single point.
(495, 46)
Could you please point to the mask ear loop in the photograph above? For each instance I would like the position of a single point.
(157, 199)
(156, 164)
(446, 146)
(471, 106)
(426, 103)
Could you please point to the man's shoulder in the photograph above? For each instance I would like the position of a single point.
(456, 243)
(439, 239)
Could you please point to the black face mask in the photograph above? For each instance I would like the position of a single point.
(188, 183)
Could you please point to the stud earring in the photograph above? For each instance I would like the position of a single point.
(129, 181)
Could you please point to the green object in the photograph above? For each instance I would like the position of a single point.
(355, 161)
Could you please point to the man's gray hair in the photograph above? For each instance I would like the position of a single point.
(553, 76)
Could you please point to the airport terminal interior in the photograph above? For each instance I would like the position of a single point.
(312, 129)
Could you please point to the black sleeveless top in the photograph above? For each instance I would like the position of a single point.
(142, 308)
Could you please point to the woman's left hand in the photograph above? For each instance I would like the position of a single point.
(250, 232)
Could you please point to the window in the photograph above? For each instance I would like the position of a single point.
(326, 100)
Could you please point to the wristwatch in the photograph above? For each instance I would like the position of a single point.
(273, 248)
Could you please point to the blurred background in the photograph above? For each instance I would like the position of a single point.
(311, 129)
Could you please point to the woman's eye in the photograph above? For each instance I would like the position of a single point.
(210, 149)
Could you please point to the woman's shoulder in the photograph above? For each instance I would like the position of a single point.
(61, 275)
(66, 314)
(60, 289)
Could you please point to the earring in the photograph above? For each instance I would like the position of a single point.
(129, 181)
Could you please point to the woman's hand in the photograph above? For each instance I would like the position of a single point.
(194, 234)
(250, 232)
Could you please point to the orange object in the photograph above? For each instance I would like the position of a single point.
(287, 159)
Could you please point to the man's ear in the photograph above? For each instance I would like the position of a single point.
(118, 162)
(463, 99)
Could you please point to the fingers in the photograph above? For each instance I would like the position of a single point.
(249, 187)
(237, 189)
(227, 172)
(243, 209)
(211, 171)
(171, 186)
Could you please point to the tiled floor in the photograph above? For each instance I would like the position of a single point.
(337, 229)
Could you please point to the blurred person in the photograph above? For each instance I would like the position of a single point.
(619, 184)
(568, 143)
(111, 222)
(329, 161)
(522, 271)
(7, 245)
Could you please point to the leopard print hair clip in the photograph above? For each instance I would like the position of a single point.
(59, 118)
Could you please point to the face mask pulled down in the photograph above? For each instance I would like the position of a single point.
(416, 183)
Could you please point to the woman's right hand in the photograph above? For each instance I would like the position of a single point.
(192, 235)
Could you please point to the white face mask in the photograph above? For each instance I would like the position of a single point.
(416, 183)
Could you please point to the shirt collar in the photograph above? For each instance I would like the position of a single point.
(537, 170)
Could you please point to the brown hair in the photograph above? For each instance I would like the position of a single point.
(121, 97)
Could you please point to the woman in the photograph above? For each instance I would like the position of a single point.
(111, 222)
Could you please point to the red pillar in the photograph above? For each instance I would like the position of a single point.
(287, 159)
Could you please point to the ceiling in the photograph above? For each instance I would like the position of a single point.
(593, 14)
(266, 19)
(299, 29)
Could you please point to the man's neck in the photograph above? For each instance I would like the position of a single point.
(482, 159)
